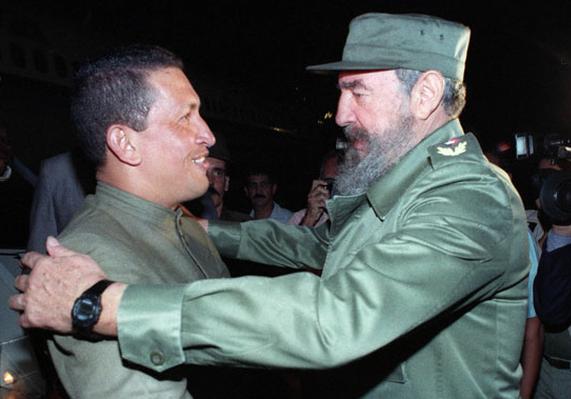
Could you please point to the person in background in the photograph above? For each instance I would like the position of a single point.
(64, 181)
(533, 339)
(552, 287)
(321, 190)
(211, 205)
(261, 189)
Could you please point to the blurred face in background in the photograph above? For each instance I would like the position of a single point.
(217, 179)
(260, 190)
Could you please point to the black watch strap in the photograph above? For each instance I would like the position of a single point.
(87, 309)
(98, 288)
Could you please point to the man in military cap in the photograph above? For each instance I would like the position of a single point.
(423, 285)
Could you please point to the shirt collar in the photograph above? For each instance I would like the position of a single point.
(131, 204)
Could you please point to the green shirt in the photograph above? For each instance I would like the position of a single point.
(135, 241)
(423, 290)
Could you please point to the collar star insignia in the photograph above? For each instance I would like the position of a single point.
(451, 150)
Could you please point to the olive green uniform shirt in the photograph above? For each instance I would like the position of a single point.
(135, 241)
(423, 292)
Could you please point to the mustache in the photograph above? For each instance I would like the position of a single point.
(259, 196)
(353, 133)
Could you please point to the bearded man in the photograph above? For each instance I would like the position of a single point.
(424, 262)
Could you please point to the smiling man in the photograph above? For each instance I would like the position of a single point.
(423, 289)
(138, 120)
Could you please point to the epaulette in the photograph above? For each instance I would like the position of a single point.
(457, 147)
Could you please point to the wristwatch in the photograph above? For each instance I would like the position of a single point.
(87, 309)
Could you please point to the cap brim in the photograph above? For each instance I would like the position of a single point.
(348, 66)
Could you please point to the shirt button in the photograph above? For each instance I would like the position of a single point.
(157, 358)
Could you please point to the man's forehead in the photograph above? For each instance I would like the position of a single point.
(356, 79)
(215, 162)
(173, 82)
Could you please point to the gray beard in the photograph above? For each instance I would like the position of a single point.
(356, 173)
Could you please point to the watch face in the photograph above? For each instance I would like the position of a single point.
(86, 311)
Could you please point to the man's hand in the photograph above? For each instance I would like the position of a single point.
(315, 203)
(55, 282)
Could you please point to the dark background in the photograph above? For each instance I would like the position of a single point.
(252, 55)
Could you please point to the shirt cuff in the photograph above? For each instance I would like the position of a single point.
(149, 325)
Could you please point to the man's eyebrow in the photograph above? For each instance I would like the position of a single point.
(353, 84)
(189, 107)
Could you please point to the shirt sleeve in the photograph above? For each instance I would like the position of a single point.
(271, 242)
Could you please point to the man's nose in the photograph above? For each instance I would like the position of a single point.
(205, 135)
(344, 115)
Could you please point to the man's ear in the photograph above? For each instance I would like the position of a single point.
(226, 183)
(427, 94)
(120, 140)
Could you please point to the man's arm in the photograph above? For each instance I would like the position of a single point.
(531, 356)
(315, 203)
(48, 296)
(271, 242)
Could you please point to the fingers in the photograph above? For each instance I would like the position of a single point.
(24, 321)
(22, 282)
(30, 259)
(17, 302)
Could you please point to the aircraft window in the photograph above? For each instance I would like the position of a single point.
(18, 55)
(61, 67)
(40, 61)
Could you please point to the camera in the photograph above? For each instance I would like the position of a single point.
(553, 187)
(554, 146)
(329, 184)
(555, 197)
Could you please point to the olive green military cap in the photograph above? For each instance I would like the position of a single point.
(409, 41)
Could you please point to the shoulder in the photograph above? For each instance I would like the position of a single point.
(461, 159)
(281, 213)
(458, 149)
(91, 228)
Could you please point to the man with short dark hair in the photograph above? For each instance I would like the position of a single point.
(261, 189)
(423, 286)
(138, 121)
